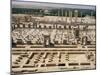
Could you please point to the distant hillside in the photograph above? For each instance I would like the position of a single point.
(54, 12)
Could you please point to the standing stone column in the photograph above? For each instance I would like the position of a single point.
(76, 15)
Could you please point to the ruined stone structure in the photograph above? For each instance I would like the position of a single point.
(52, 39)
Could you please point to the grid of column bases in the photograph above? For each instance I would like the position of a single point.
(46, 42)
